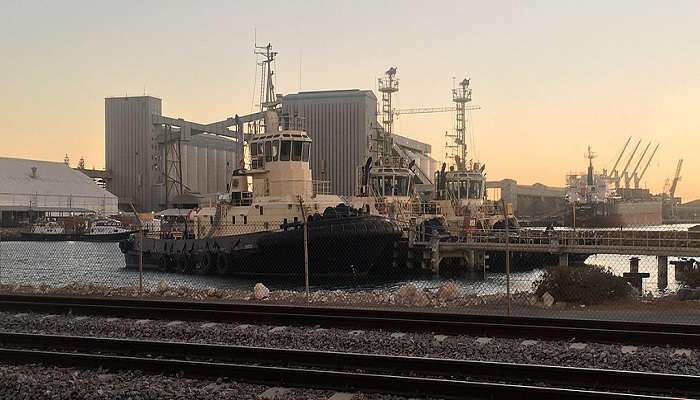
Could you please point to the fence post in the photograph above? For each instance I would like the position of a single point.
(505, 214)
(306, 248)
(0, 258)
(140, 259)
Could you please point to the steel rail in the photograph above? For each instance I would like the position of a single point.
(423, 366)
(341, 380)
(649, 334)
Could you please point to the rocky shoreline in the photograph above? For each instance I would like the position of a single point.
(447, 295)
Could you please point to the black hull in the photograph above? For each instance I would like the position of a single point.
(342, 247)
(72, 237)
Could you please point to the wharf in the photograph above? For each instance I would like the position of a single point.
(582, 242)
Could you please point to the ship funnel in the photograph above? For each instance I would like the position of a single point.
(34, 172)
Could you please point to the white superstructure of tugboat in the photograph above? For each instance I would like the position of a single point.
(387, 181)
(257, 227)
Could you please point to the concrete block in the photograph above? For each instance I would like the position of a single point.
(208, 325)
(683, 352)
(277, 329)
(483, 340)
(274, 393)
(577, 346)
(628, 349)
(528, 342)
(342, 396)
(441, 338)
(397, 335)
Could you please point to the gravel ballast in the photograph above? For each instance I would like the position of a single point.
(38, 382)
(592, 355)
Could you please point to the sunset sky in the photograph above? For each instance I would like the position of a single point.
(552, 77)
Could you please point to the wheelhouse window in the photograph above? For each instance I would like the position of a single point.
(377, 184)
(306, 149)
(285, 150)
(275, 149)
(388, 186)
(296, 151)
(401, 186)
(463, 189)
(268, 151)
(475, 190)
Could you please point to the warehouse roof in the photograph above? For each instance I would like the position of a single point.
(21, 176)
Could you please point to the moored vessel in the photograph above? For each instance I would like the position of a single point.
(272, 209)
(98, 229)
(597, 200)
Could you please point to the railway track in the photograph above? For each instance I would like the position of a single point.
(646, 334)
(398, 375)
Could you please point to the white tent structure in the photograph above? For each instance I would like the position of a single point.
(29, 186)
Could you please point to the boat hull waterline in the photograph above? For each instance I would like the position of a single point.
(343, 247)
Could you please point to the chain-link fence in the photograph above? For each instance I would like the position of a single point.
(636, 273)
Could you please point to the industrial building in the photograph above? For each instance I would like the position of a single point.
(33, 189)
(341, 124)
(152, 158)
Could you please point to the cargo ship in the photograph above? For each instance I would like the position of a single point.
(597, 201)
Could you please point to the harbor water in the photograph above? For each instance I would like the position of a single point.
(59, 264)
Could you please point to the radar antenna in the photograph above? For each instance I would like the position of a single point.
(268, 100)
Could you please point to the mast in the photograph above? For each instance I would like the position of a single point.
(388, 85)
(590, 156)
(268, 100)
(461, 95)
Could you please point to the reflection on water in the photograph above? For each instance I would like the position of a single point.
(63, 263)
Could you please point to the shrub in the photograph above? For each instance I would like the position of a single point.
(581, 284)
(691, 278)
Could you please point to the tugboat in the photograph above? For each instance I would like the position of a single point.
(387, 183)
(262, 231)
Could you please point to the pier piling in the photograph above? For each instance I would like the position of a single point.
(563, 259)
(662, 272)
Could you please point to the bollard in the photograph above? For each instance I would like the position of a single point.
(634, 265)
(634, 277)
(662, 272)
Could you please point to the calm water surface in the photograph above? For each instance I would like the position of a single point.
(63, 263)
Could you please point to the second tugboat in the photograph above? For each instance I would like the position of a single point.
(261, 231)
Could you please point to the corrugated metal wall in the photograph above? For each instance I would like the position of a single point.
(136, 160)
(339, 124)
(128, 146)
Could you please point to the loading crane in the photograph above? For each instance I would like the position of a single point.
(633, 174)
(613, 171)
(624, 173)
(638, 178)
(676, 179)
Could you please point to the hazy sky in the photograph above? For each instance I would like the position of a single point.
(552, 77)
